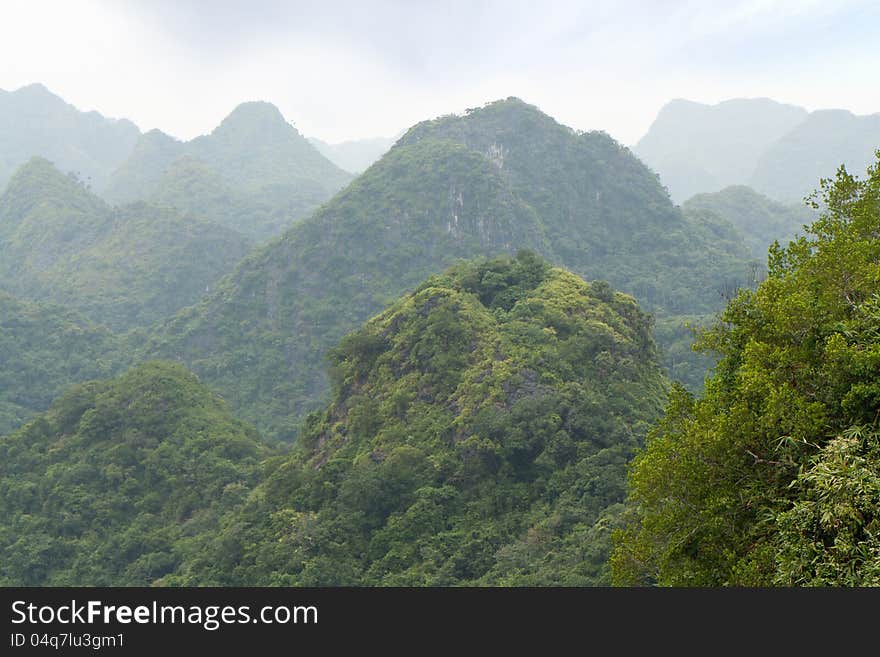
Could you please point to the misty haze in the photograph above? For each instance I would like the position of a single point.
(439, 294)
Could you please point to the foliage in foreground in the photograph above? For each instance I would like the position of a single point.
(771, 477)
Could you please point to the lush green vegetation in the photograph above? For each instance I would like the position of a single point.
(501, 178)
(117, 482)
(122, 267)
(254, 173)
(605, 215)
(478, 434)
(771, 477)
(43, 349)
(500, 423)
(760, 220)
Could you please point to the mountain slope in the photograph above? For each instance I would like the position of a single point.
(761, 220)
(260, 337)
(123, 266)
(111, 485)
(34, 121)
(703, 148)
(139, 175)
(478, 434)
(254, 162)
(43, 349)
(791, 167)
(604, 213)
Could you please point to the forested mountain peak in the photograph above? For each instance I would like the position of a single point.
(39, 99)
(253, 173)
(35, 90)
(113, 483)
(544, 159)
(141, 173)
(254, 118)
(155, 138)
(35, 121)
(498, 179)
(121, 266)
(39, 181)
(494, 123)
(255, 141)
(478, 434)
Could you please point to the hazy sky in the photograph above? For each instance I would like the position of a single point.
(341, 70)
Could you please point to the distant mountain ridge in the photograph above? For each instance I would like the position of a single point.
(760, 219)
(254, 173)
(815, 149)
(121, 266)
(354, 155)
(496, 180)
(780, 150)
(36, 122)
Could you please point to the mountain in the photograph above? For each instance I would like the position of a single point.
(355, 155)
(604, 213)
(779, 150)
(140, 174)
(34, 121)
(499, 179)
(118, 478)
(254, 173)
(123, 266)
(790, 168)
(43, 349)
(478, 435)
(703, 148)
(761, 220)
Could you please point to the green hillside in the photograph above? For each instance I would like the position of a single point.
(605, 214)
(119, 478)
(254, 173)
(759, 219)
(43, 349)
(140, 174)
(123, 267)
(478, 434)
(260, 337)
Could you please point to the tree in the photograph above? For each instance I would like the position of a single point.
(760, 480)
